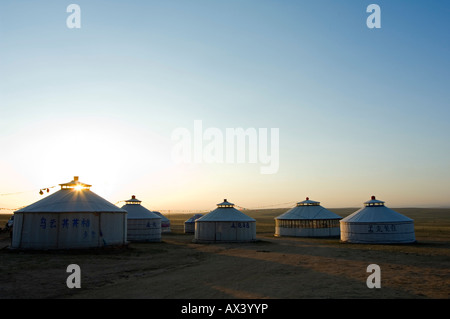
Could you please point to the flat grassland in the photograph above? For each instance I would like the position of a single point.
(273, 268)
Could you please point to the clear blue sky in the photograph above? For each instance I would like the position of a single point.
(360, 111)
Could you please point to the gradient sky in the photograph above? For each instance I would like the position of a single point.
(360, 111)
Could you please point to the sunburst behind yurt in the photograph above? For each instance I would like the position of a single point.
(307, 219)
(72, 217)
(142, 224)
(377, 224)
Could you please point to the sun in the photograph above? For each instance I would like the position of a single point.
(78, 187)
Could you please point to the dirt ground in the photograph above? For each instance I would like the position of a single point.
(284, 268)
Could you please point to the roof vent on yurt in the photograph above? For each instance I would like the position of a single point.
(75, 184)
(373, 202)
(225, 204)
(308, 202)
(133, 201)
(377, 224)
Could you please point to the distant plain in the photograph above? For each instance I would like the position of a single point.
(274, 268)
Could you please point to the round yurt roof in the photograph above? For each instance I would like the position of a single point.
(163, 218)
(375, 211)
(308, 209)
(136, 211)
(225, 212)
(72, 197)
(193, 218)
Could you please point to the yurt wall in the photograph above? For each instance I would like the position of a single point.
(226, 231)
(68, 230)
(307, 228)
(113, 228)
(144, 229)
(205, 231)
(378, 232)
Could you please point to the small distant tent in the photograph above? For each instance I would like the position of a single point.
(307, 219)
(142, 224)
(73, 217)
(225, 224)
(189, 224)
(377, 224)
(165, 222)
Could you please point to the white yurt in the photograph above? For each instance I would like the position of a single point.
(165, 222)
(73, 217)
(225, 224)
(377, 224)
(189, 224)
(308, 219)
(142, 224)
